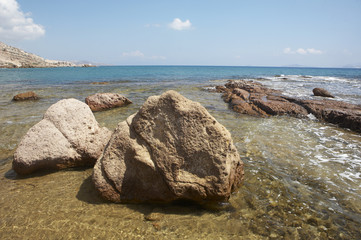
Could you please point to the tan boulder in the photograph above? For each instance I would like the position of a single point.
(25, 96)
(171, 149)
(104, 101)
(68, 136)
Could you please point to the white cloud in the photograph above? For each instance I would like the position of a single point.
(158, 57)
(16, 25)
(287, 51)
(139, 54)
(302, 51)
(177, 24)
(314, 51)
(136, 53)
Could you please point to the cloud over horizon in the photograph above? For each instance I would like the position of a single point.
(139, 54)
(302, 51)
(178, 25)
(17, 25)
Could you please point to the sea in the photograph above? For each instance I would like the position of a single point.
(302, 176)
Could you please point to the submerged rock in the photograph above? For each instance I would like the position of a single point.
(322, 92)
(68, 136)
(171, 149)
(26, 96)
(103, 101)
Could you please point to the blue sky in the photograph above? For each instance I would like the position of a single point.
(317, 33)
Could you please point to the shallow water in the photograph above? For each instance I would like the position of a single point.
(302, 177)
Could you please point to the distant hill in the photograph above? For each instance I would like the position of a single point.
(12, 57)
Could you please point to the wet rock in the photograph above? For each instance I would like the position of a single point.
(26, 96)
(171, 149)
(252, 98)
(322, 92)
(345, 115)
(104, 101)
(68, 136)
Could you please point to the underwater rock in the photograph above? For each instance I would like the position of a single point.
(104, 101)
(322, 92)
(67, 136)
(25, 96)
(171, 149)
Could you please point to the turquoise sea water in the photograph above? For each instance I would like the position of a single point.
(302, 176)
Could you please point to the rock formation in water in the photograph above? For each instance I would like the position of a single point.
(104, 101)
(253, 98)
(322, 92)
(26, 96)
(171, 149)
(67, 136)
(11, 57)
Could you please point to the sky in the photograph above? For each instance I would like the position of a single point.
(314, 33)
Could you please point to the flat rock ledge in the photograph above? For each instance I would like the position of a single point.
(254, 99)
(171, 149)
(67, 136)
(104, 101)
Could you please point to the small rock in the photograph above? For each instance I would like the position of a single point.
(25, 96)
(104, 101)
(322, 92)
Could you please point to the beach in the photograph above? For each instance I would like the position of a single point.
(302, 176)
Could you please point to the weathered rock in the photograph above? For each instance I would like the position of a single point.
(104, 101)
(252, 98)
(343, 114)
(171, 149)
(68, 136)
(25, 96)
(322, 92)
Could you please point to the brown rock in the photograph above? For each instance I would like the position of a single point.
(104, 101)
(254, 99)
(322, 92)
(68, 136)
(25, 96)
(276, 105)
(171, 149)
(343, 114)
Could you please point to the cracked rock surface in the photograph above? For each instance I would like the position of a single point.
(67, 136)
(171, 149)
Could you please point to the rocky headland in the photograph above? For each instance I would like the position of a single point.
(12, 57)
(252, 98)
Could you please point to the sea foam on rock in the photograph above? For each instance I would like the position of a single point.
(67, 136)
(171, 149)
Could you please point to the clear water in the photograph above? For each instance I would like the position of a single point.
(302, 177)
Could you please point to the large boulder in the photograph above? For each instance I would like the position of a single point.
(171, 149)
(26, 96)
(104, 101)
(322, 92)
(67, 136)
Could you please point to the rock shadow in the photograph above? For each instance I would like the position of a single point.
(87, 193)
